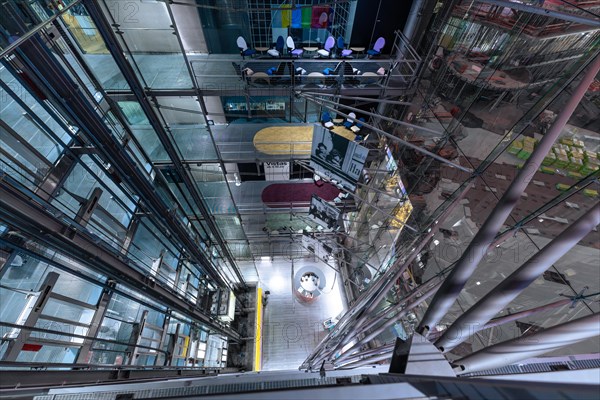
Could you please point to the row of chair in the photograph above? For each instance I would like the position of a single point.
(350, 123)
(325, 52)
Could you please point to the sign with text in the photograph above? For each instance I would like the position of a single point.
(277, 171)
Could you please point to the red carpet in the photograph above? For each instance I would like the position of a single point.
(281, 195)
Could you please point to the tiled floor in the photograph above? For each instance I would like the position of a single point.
(292, 329)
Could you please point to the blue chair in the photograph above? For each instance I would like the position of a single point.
(344, 52)
(357, 127)
(278, 50)
(244, 50)
(292, 48)
(377, 47)
(350, 120)
(326, 120)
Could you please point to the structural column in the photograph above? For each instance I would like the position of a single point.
(521, 348)
(507, 290)
(456, 280)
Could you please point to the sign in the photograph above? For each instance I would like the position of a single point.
(337, 158)
(324, 213)
(277, 171)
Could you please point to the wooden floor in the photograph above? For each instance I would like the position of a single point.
(292, 140)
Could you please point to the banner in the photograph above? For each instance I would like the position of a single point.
(286, 16)
(306, 17)
(320, 17)
(324, 213)
(337, 158)
(277, 171)
(297, 18)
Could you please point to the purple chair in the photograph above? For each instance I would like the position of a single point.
(326, 50)
(376, 50)
(377, 47)
(344, 52)
(292, 47)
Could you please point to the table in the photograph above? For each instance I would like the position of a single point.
(261, 49)
(357, 49)
(315, 77)
(310, 49)
(260, 76)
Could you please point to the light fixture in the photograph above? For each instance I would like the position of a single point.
(478, 283)
(541, 219)
(436, 242)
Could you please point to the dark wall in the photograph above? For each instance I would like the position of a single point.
(368, 23)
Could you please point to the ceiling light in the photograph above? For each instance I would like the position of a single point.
(276, 282)
(478, 283)
(541, 219)
(436, 242)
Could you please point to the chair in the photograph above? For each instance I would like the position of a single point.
(278, 50)
(377, 47)
(350, 120)
(292, 48)
(326, 120)
(326, 50)
(356, 128)
(244, 50)
(344, 52)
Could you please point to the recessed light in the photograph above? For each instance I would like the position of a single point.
(478, 283)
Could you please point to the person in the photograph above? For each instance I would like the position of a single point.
(334, 158)
(321, 150)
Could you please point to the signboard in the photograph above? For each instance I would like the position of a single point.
(324, 213)
(277, 171)
(337, 158)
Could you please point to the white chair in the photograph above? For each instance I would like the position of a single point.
(292, 48)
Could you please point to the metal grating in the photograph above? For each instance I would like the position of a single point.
(205, 390)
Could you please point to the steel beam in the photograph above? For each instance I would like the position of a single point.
(392, 320)
(76, 106)
(379, 290)
(466, 265)
(506, 291)
(15, 346)
(38, 222)
(118, 54)
(95, 324)
(522, 348)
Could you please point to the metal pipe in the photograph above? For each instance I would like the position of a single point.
(411, 21)
(357, 356)
(445, 297)
(473, 320)
(391, 321)
(526, 313)
(392, 310)
(369, 360)
(434, 229)
(383, 285)
(369, 99)
(521, 348)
